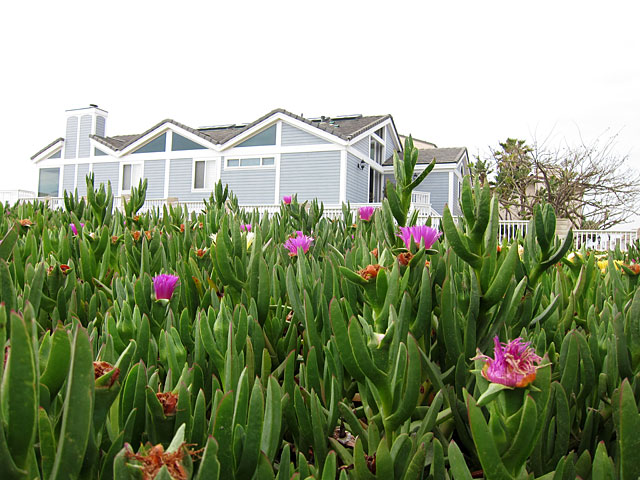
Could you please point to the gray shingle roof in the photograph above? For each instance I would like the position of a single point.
(345, 128)
(47, 147)
(442, 155)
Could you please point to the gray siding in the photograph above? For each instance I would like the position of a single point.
(251, 186)
(357, 181)
(180, 171)
(456, 210)
(101, 123)
(436, 183)
(311, 175)
(295, 136)
(83, 171)
(106, 172)
(68, 178)
(363, 146)
(390, 146)
(154, 173)
(84, 147)
(71, 138)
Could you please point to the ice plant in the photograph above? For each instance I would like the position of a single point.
(286, 199)
(366, 213)
(164, 285)
(245, 227)
(514, 363)
(300, 241)
(421, 234)
(371, 271)
(74, 229)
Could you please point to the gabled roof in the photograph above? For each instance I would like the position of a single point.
(346, 128)
(442, 155)
(47, 147)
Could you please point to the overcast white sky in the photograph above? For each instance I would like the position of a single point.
(454, 73)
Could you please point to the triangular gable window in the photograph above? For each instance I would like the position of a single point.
(180, 143)
(265, 137)
(158, 144)
(58, 154)
(98, 153)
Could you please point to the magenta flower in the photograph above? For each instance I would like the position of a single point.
(74, 229)
(300, 241)
(286, 199)
(514, 363)
(422, 235)
(164, 285)
(245, 227)
(366, 213)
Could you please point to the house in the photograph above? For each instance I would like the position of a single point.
(334, 159)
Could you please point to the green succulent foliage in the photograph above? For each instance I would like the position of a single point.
(399, 193)
(266, 365)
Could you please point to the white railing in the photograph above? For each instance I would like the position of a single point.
(604, 240)
(12, 196)
(421, 198)
(510, 230)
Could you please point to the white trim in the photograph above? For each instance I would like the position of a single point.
(290, 120)
(369, 131)
(121, 176)
(367, 160)
(59, 145)
(343, 176)
(169, 141)
(207, 163)
(249, 167)
(378, 139)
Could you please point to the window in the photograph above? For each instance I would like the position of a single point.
(98, 153)
(48, 182)
(251, 162)
(158, 144)
(58, 154)
(179, 143)
(376, 150)
(204, 174)
(265, 137)
(131, 175)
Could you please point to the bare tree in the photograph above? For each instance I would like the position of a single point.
(590, 184)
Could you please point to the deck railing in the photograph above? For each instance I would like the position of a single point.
(509, 230)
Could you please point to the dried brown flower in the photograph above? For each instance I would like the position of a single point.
(168, 400)
(371, 271)
(405, 258)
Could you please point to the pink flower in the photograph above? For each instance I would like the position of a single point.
(366, 213)
(513, 365)
(286, 199)
(164, 285)
(421, 234)
(245, 227)
(300, 241)
(74, 229)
